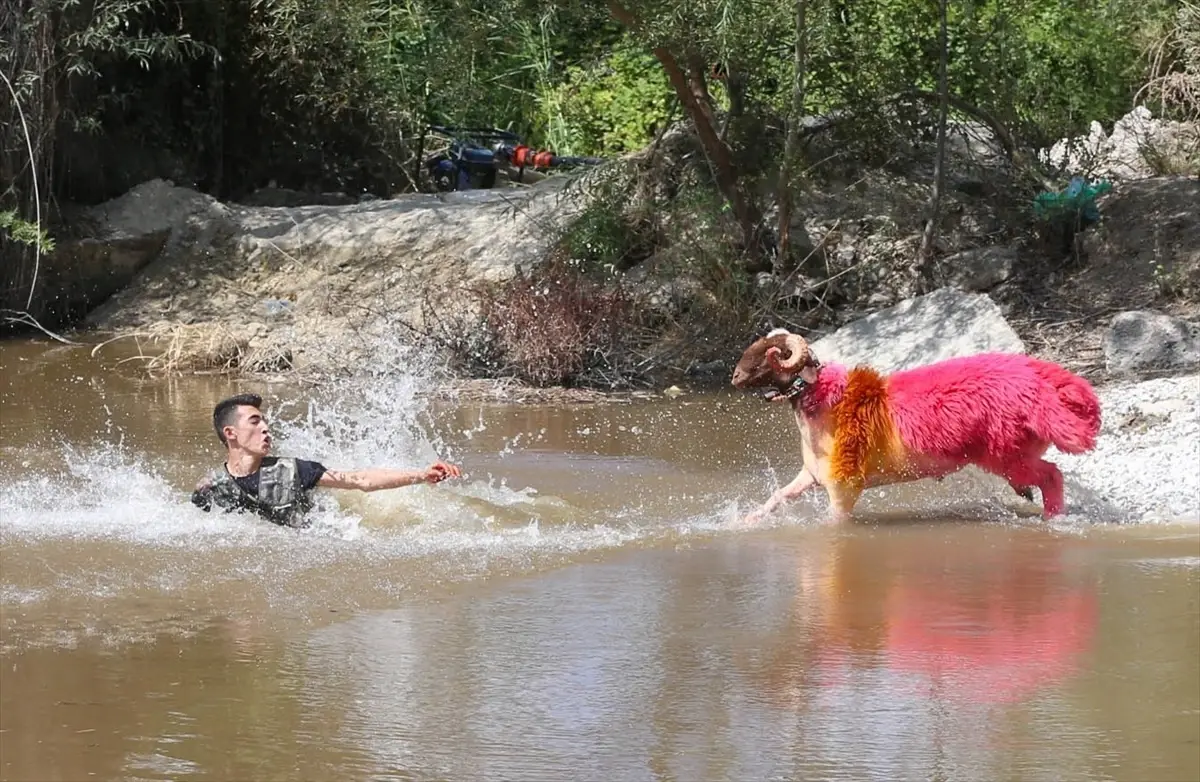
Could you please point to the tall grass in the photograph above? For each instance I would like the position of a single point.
(1174, 65)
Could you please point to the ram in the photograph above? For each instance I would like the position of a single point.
(861, 428)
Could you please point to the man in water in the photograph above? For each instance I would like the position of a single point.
(278, 488)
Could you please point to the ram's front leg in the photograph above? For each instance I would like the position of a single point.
(800, 484)
(843, 496)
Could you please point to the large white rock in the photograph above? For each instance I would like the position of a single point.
(939, 325)
(382, 254)
(331, 281)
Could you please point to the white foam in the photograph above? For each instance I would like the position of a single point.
(103, 490)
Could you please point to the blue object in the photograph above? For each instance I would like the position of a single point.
(1077, 200)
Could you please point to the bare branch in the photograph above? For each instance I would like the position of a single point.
(37, 197)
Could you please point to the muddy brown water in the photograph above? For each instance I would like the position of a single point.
(578, 608)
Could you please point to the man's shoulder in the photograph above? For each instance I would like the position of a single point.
(302, 464)
(220, 487)
(309, 472)
(212, 477)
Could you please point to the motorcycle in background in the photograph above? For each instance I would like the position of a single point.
(474, 157)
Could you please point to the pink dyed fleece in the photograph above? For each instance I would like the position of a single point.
(989, 408)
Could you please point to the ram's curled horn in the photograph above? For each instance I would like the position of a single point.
(798, 353)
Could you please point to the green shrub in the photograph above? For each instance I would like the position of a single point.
(616, 105)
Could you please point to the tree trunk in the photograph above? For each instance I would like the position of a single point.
(693, 94)
(735, 87)
(217, 89)
(925, 254)
(783, 261)
(698, 84)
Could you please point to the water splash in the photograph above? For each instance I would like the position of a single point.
(381, 418)
(98, 490)
(376, 418)
(105, 489)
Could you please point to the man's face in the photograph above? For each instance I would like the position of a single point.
(249, 431)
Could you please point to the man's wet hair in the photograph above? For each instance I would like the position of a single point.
(225, 413)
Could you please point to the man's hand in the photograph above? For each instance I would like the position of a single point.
(200, 497)
(440, 471)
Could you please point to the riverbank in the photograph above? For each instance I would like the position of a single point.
(600, 281)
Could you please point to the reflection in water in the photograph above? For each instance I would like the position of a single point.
(723, 662)
(993, 650)
(915, 652)
(984, 624)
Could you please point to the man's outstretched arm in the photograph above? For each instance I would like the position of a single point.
(376, 478)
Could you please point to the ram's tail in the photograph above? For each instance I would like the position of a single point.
(1069, 416)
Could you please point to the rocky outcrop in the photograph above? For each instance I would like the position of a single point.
(1139, 146)
(322, 283)
(1138, 341)
(112, 242)
(319, 282)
